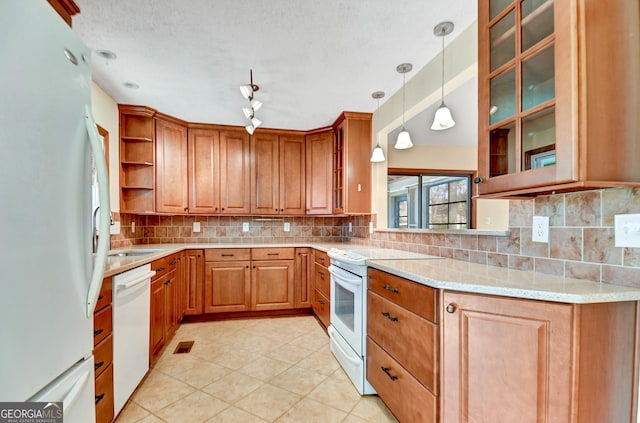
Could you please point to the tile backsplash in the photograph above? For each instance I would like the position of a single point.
(581, 235)
(581, 238)
(224, 229)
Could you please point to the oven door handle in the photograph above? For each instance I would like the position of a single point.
(341, 277)
(336, 343)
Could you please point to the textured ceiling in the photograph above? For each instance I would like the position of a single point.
(312, 59)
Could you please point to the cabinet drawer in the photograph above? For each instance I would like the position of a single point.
(103, 355)
(410, 339)
(321, 257)
(322, 279)
(227, 254)
(105, 294)
(272, 254)
(420, 299)
(164, 265)
(407, 398)
(104, 396)
(101, 325)
(321, 307)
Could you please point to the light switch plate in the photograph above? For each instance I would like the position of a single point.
(540, 231)
(350, 227)
(370, 227)
(287, 226)
(245, 226)
(627, 230)
(133, 227)
(196, 226)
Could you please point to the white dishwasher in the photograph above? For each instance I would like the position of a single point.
(131, 318)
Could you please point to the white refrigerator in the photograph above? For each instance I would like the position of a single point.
(50, 279)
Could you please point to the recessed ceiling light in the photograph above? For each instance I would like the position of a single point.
(131, 85)
(106, 54)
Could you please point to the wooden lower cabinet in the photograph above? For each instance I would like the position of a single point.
(227, 286)
(193, 283)
(321, 287)
(272, 285)
(321, 307)
(103, 354)
(165, 304)
(158, 319)
(302, 278)
(530, 361)
(408, 399)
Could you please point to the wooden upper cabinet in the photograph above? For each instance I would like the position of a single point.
(235, 175)
(204, 171)
(277, 173)
(319, 154)
(552, 116)
(171, 167)
(351, 165)
(264, 174)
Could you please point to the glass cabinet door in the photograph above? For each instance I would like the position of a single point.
(520, 86)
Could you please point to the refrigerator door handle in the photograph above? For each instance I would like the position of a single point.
(75, 390)
(100, 259)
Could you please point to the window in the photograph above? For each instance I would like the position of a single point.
(442, 202)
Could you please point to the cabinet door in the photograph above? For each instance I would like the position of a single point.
(204, 171)
(338, 170)
(272, 285)
(181, 282)
(292, 174)
(171, 168)
(227, 286)
(194, 282)
(171, 304)
(264, 174)
(157, 318)
(357, 167)
(235, 186)
(506, 360)
(302, 281)
(319, 153)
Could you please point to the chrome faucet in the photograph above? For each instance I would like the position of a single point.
(94, 230)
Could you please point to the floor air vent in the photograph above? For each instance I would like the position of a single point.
(183, 347)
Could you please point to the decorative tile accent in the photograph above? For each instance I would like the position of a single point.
(566, 243)
(599, 246)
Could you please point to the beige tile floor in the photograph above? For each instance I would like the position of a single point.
(254, 370)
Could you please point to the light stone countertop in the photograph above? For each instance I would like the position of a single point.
(456, 275)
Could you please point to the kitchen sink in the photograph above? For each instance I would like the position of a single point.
(133, 253)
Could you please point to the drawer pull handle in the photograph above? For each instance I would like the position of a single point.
(167, 282)
(390, 289)
(98, 365)
(159, 269)
(321, 258)
(97, 332)
(386, 370)
(227, 255)
(451, 308)
(100, 297)
(388, 316)
(321, 273)
(99, 398)
(273, 254)
(172, 263)
(321, 302)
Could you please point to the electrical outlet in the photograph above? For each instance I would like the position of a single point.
(287, 226)
(115, 228)
(196, 226)
(133, 227)
(350, 227)
(370, 227)
(540, 232)
(487, 220)
(245, 226)
(627, 230)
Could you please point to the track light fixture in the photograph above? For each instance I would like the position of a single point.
(248, 91)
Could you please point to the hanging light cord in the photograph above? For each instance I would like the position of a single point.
(403, 84)
(442, 88)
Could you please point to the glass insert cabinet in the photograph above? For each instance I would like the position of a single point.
(552, 77)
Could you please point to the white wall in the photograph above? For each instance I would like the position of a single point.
(105, 111)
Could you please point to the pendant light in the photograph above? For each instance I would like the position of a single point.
(248, 91)
(404, 139)
(443, 119)
(377, 155)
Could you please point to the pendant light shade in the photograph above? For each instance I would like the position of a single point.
(248, 91)
(377, 155)
(250, 129)
(443, 119)
(404, 139)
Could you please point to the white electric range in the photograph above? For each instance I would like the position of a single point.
(348, 329)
